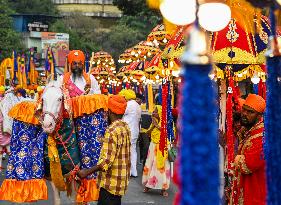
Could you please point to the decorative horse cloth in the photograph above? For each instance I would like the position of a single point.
(25, 170)
(90, 123)
(69, 152)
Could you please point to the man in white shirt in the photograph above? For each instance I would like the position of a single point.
(77, 81)
(132, 117)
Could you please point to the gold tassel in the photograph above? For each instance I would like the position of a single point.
(55, 166)
(150, 98)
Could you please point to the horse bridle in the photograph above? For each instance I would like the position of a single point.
(57, 119)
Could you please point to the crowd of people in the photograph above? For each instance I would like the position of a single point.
(118, 156)
(130, 124)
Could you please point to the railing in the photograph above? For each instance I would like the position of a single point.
(83, 1)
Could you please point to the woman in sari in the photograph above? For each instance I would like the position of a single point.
(156, 172)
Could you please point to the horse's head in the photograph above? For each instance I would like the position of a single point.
(52, 100)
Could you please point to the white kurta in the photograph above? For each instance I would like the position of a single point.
(132, 117)
(80, 82)
(7, 103)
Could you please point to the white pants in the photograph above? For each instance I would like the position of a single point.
(134, 158)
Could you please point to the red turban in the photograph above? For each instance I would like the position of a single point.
(76, 55)
(117, 104)
(255, 102)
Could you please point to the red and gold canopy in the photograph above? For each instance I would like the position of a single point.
(159, 35)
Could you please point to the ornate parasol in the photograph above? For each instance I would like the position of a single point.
(240, 49)
(159, 35)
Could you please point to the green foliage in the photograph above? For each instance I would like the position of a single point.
(9, 38)
(46, 7)
(132, 7)
(81, 30)
(88, 35)
(120, 38)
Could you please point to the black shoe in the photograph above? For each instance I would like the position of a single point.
(134, 176)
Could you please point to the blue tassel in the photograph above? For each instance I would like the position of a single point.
(146, 97)
(160, 95)
(87, 62)
(256, 88)
(273, 131)
(199, 146)
(170, 123)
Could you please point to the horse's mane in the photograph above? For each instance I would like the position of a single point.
(53, 83)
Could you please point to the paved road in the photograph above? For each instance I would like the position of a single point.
(134, 195)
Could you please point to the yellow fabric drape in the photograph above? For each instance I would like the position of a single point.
(245, 14)
(150, 98)
(55, 165)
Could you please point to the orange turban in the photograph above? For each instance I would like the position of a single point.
(255, 102)
(117, 104)
(241, 102)
(76, 55)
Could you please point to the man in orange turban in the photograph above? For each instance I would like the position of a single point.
(114, 162)
(249, 184)
(77, 81)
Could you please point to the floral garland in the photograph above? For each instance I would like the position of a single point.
(170, 123)
(273, 131)
(177, 175)
(163, 135)
(199, 170)
(262, 89)
(229, 132)
(146, 97)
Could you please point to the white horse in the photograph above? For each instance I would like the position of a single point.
(53, 101)
(52, 108)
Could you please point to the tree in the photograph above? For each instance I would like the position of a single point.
(133, 7)
(9, 38)
(82, 30)
(46, 7)
(120, 38)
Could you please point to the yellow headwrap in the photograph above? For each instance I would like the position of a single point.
(39, 89)
(128, 94)
(2, 89)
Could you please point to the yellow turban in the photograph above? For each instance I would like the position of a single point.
(128, 94)
(2, 89)
(39, 89)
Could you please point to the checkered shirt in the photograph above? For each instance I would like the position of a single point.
(115, 159)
